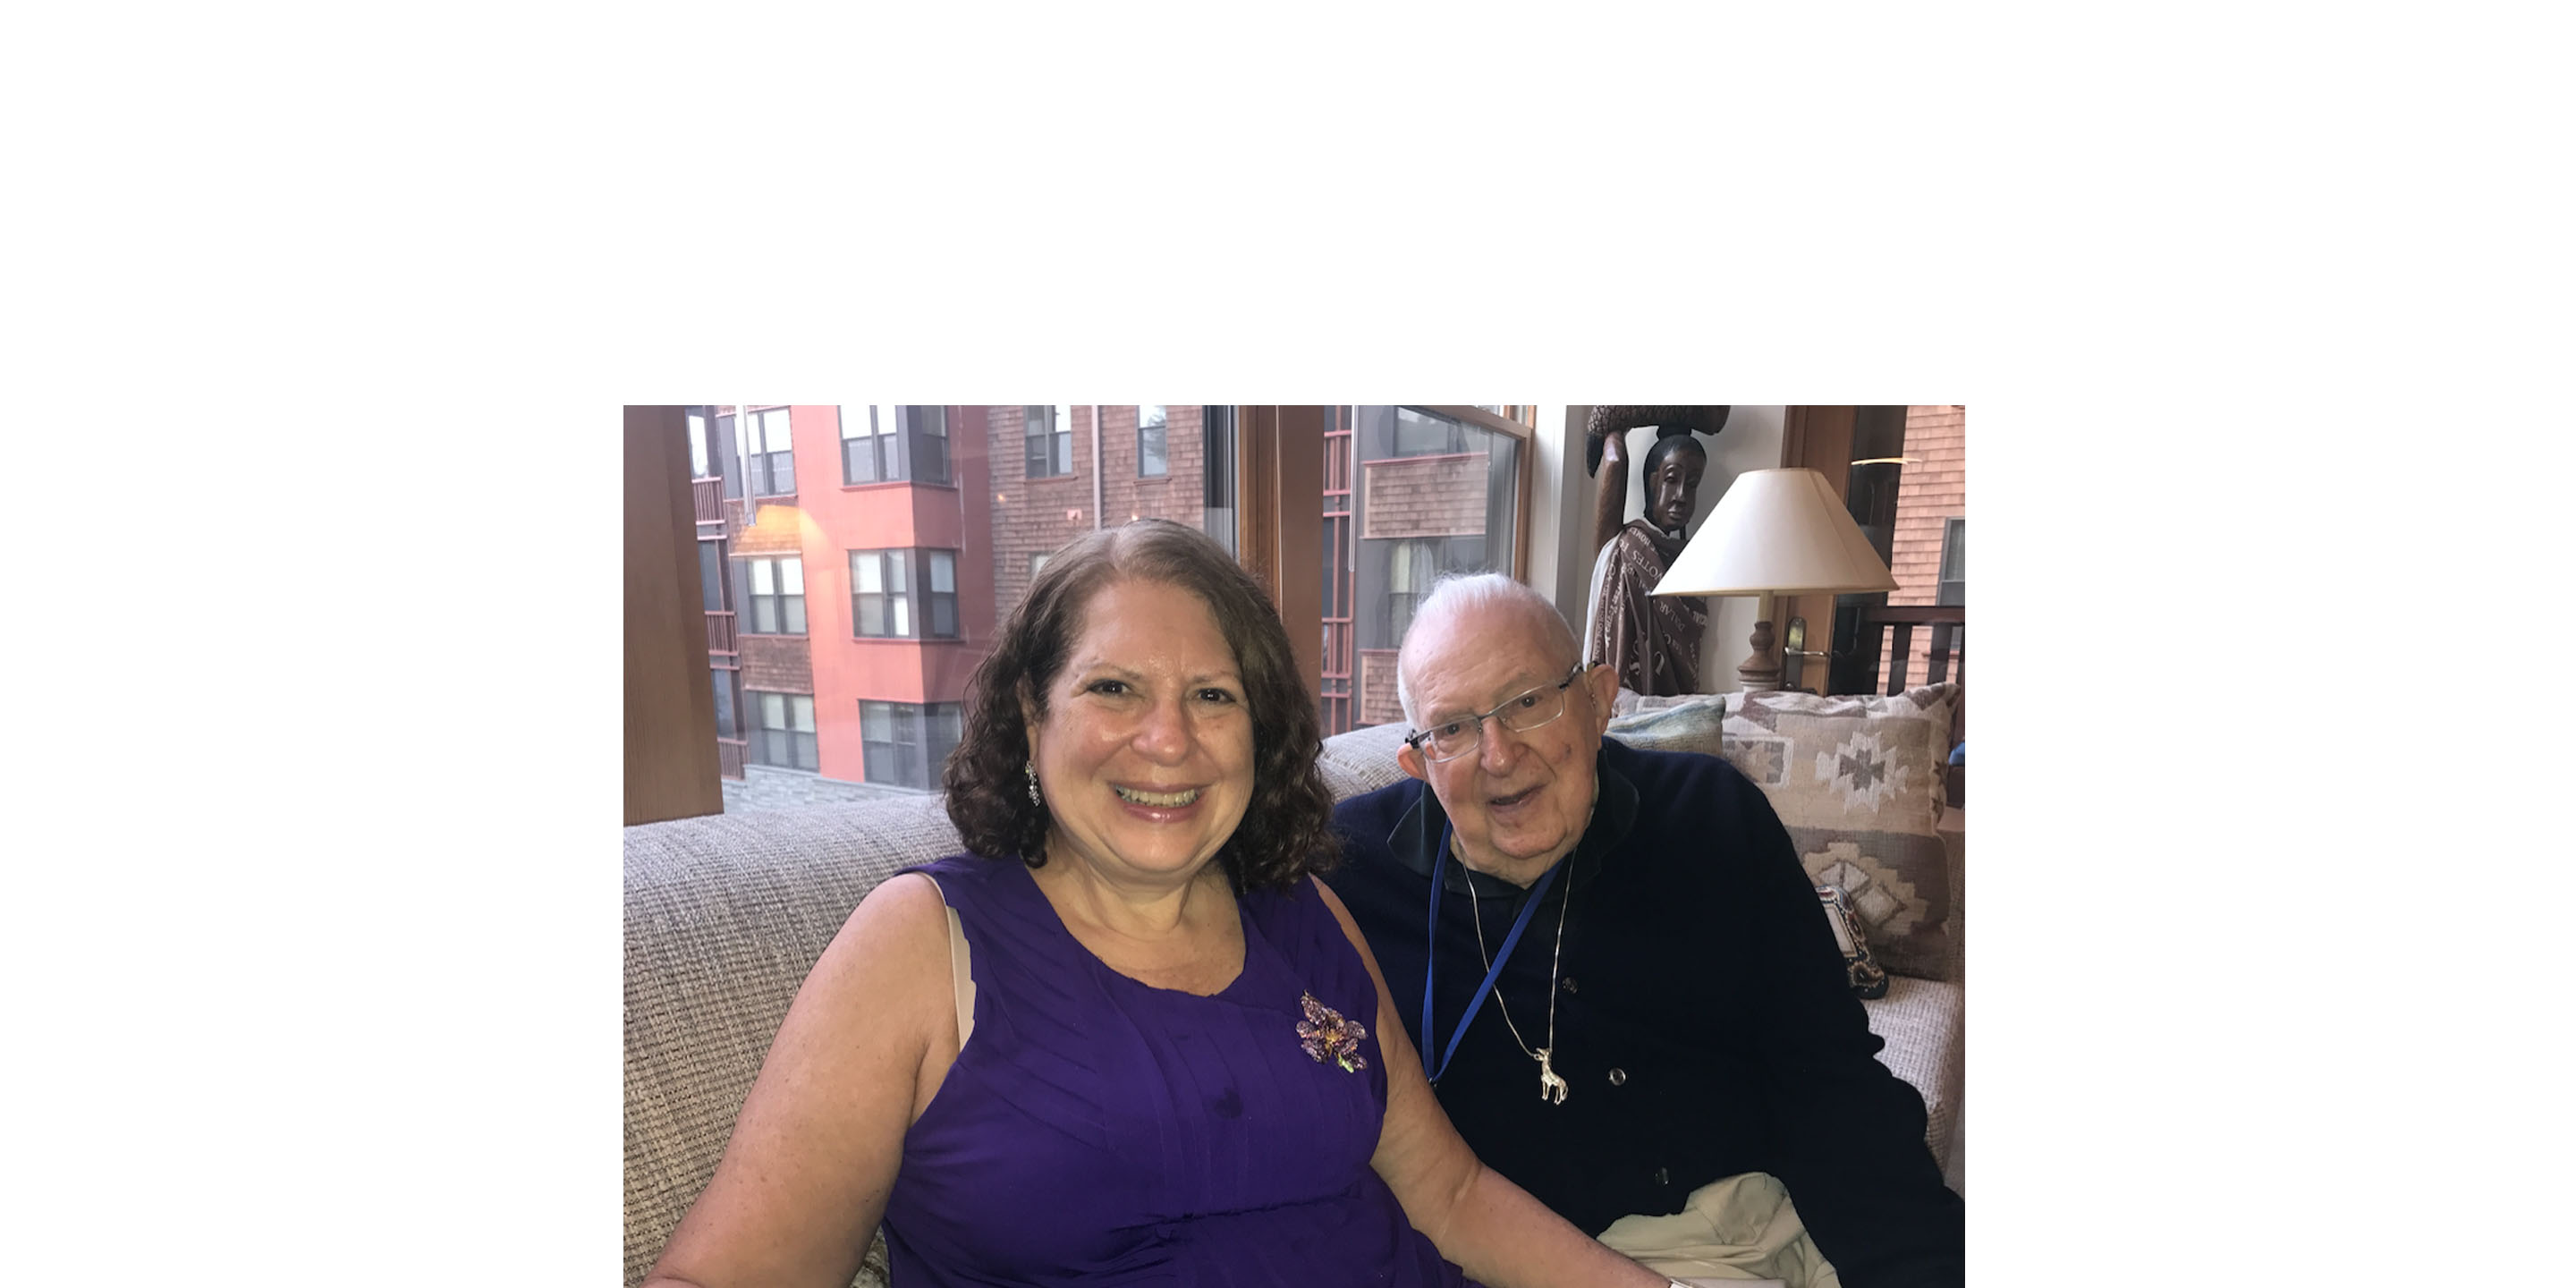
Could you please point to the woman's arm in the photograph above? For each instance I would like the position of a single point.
(1492, 1228)
(804, 1180)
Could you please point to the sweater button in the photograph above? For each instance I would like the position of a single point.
(1663, 1177)
(1618, 1077)
(1569, 983)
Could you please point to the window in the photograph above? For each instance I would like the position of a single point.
(775, 592)
(943, 593)
(878, 604)
(1050, 440)
(711, 580)
(1216, 480)
(885, 443)
(1037, 561)
(773, 454)
(727, 450)
(1411, 568)
(929, 443)
(907, 745)
(1422, 434)
(1410, 493)
(724, 685)
(1954, 563)
(786, 731)
(1152, 447)
(701, 465)
(886, 601)
(871, 451)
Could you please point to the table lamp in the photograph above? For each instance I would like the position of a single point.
(1776, 532)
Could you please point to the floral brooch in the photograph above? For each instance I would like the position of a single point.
(1326, 1035)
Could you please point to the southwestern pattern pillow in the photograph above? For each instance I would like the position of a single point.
(1857, 780)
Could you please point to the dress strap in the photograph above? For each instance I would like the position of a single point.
(961, 973)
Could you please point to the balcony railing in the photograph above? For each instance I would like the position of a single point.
(709, 496)
(729, 758)
(720, 633)
(1888, 632)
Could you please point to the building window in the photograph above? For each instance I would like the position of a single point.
(1049, 440)
(907, 745)
(786, 731)
(871, 451)
(724, 685)
(886, 602)
(1410, 494)
(943, 593)
(1037, 561)
(773, 454)
(775, 590)
(885, 443)
(711, 566)
(929, 439)
(1422, 434)
(701, 464)
(1954, 563)
(1411, 568)
(726, 450)
(1153, 458)
(879, 605)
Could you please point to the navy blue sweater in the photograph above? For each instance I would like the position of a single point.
(1704, 1019)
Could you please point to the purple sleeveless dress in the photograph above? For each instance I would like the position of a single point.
(1097, 1130)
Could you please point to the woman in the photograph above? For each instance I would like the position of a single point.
(1134, 1041)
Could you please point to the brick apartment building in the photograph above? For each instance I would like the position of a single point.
(856, 560)
(846, 563)
(1928, 551)
(1153, 464)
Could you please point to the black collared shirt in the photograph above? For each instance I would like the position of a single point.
(1703, 1017)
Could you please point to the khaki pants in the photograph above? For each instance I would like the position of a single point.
(1734, 1229)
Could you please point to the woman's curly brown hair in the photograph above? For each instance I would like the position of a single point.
(1286, 830)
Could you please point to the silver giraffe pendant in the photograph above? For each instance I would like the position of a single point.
(1550, 1087)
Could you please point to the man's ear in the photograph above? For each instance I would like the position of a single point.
(1410, 761)
(1603, 683)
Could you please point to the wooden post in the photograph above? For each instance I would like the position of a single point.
(671, 767)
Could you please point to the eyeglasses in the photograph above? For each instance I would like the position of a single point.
(1456, 737)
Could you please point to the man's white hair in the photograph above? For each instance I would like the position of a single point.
(1459, 592)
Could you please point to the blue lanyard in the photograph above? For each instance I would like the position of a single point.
(1431, 955)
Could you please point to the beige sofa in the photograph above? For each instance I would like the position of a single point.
(725, 914)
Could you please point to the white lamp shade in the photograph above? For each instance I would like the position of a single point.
(1777, 532)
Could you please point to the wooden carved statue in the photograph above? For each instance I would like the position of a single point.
(1653, 643)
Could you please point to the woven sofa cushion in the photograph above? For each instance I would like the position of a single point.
(1362, 760)
(724, 917)
(1924, 1022)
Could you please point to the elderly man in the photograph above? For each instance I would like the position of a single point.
(1695, 1023)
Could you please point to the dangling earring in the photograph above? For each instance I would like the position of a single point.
(1034, 799)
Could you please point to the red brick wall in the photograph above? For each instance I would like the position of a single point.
(1033, 516)
(1036, 516)
(1932, 489)
(1425, 496)
(778, 663)
(1180, 495)
(1377, 688)
(779, 532)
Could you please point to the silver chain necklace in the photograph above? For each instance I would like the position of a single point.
(1550, 1087)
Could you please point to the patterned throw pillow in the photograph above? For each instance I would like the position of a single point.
(1868, 980)
(1857, 780)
